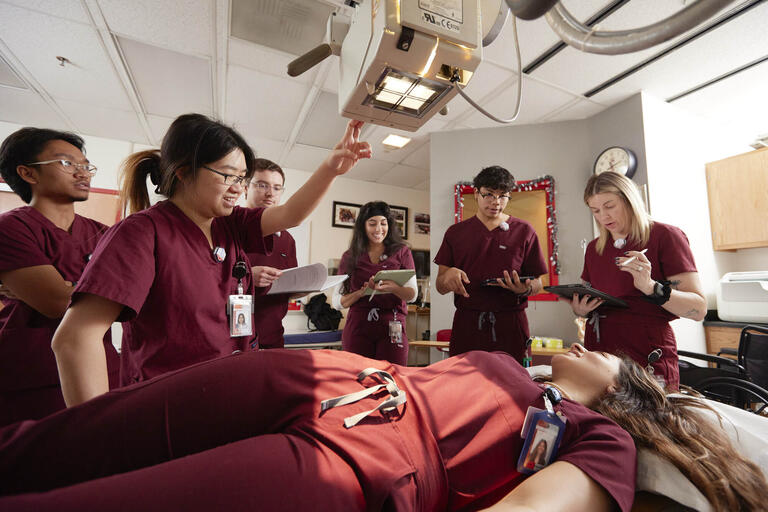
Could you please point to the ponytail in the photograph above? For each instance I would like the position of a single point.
(133, 180)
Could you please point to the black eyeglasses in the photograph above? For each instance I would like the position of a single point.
(229, 179)
(487, 195)
(69, 167)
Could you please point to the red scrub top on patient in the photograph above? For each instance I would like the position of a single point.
(269, 310)
(159, 265)
(27, 363)
(644, 326)
(484, 254)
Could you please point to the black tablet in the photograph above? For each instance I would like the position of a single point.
(567, 291)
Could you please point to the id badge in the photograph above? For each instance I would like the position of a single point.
(542, 432)
(240, 311)
(395, 332)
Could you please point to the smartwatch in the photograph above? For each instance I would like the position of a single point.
(661, 292)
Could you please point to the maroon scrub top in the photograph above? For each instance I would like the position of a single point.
(491, 318)
(644, 326)
(29, 378)
(366, 331)
(454, 445)
(158, 264)
(269, 310)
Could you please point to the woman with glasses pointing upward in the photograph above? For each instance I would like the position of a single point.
(177, 273)
(481, 261)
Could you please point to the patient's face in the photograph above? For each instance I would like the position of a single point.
(594, 369)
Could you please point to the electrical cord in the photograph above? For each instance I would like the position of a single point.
(455, 79)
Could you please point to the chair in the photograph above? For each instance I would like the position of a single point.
(742, 382)
(443, 335)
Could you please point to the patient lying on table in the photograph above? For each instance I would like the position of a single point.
(285, 430)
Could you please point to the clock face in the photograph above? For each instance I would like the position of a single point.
(618, 160)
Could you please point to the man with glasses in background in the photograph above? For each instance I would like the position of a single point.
(44, 248)
(491, 263)
(265, 189)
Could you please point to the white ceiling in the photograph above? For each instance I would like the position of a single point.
(135, 65)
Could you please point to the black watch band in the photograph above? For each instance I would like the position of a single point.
(661, 293)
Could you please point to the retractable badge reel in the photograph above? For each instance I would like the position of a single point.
(240, 306)
(542, 431)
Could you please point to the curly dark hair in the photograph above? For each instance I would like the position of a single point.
(494, 178)
(24, 146)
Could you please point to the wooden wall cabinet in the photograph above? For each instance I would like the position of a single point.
(738, 201)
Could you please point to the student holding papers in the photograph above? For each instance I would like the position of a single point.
(377, 288)
(264, 190)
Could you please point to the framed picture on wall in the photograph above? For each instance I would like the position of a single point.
(400, 214)
(344, 214)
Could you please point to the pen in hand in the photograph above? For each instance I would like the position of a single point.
(374, 292)
(633, 258)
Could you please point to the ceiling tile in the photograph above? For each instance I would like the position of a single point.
(424, 185)
(739, 100)
(266, 148)
(9, 77)
(267, 60)
(419, 158)
(182, 25)
(404, 176)
(376, 136)
(68, 9)
(579, 71)
(169, 83)
(292, 26)
(323, 126)
(487, 78)
(104, 122)
(535, 36)
(538, 100)
(28, 109)
(159, 125)
(90, 78)
(369, 169)
(731, 45)
(304, 158)
(267, 104)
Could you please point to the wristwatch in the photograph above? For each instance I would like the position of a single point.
(661, 292)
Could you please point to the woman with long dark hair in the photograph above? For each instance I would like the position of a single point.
(330, 430)
(175, 272)
(375, 325)
(646, 263)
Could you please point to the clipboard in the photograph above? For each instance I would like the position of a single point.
(400, 276)
(567, 291)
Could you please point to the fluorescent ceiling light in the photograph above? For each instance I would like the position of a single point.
(395, 141)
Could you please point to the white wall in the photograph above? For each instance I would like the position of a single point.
(678, 145)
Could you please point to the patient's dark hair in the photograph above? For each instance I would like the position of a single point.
(494, 178)
(22, 147)
(673, 427)
(192, 140)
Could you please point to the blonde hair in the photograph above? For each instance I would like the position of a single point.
(639, 220)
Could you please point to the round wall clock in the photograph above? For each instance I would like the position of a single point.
(616, 159)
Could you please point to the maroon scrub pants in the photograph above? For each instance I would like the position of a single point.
(244, 432)
(471, 332)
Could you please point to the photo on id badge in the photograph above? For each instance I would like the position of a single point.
(540, 448)
(240, 320)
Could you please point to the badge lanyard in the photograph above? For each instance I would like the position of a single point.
(240, 306)
(542, 431)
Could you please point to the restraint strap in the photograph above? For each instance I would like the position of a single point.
(396, 396)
